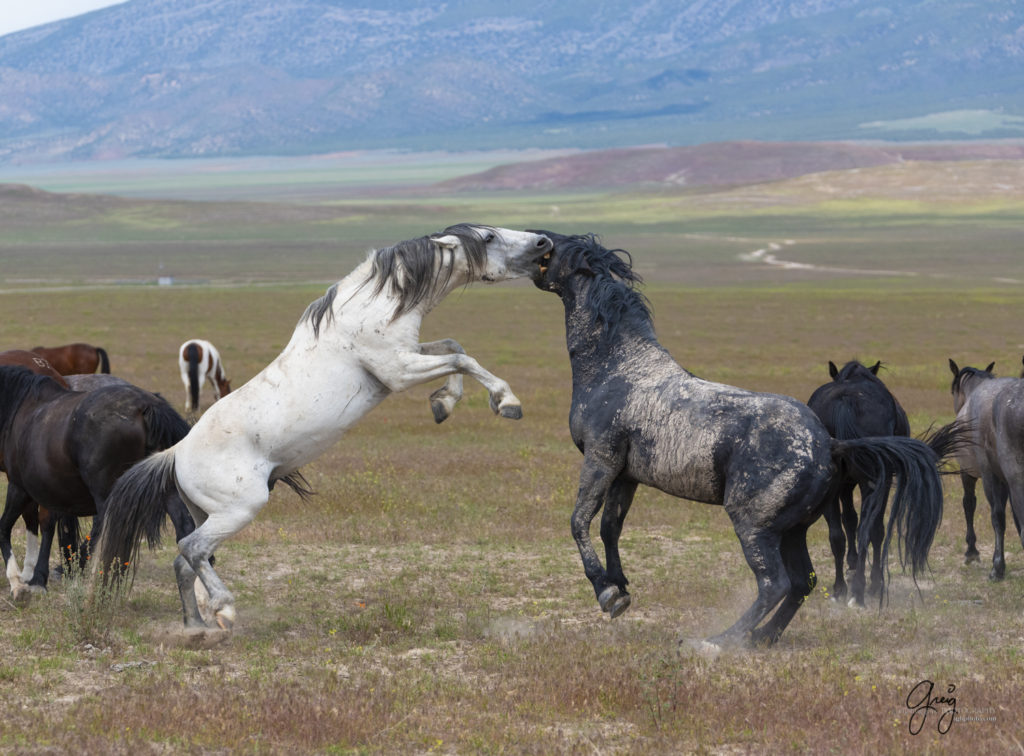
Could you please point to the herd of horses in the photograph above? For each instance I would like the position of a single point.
(76, 444)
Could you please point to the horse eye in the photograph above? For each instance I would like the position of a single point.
(489, 238)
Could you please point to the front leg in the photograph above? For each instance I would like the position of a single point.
(595, 480)
(17, 502)
(443, 401)
(401, 370)
(616, 507)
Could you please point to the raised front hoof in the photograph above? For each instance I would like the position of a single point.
(614, 601)
(441, 412)
(511, 411)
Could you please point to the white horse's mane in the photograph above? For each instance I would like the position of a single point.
(411, 269)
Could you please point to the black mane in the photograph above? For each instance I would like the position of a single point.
(16, 384)
(612, 296)
(412, 271)
(971, 372)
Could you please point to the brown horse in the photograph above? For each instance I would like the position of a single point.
(34, 362)
(74, 359)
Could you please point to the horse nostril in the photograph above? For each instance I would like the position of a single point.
(544, 243)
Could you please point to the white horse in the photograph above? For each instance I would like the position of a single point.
(199, 361)
(351, 349)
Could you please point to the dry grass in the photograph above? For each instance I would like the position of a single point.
(430, 599)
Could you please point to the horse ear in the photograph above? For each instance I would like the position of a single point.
(874, 368)
(449, 242)
(990, 367)
(953, 367)
(833, 371)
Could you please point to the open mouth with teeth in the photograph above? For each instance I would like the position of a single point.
(543, 262)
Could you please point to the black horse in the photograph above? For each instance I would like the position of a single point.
(855, 404)
(63, 450)
(638, 417)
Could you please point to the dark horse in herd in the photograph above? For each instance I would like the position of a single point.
(856, 404)
(638, 417)
(63, 450)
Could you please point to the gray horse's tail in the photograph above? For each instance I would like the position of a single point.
(104, 360)
(912, 466)
(192, 356)
(135, 508)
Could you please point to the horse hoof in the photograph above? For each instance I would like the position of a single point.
(226, 618)
(972, 558)
(620, 605)
(855, 603)
(440, 412)
(21, 595)
(995, 577)
(614, 601)
(512, 412)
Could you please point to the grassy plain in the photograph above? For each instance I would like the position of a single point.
(430, 599)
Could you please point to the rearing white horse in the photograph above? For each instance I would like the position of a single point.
(351, 348)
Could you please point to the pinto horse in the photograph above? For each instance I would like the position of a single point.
(351, 349)
(199, 361)
(638, 417)
(74, 359)
(62, 450)
(854, 404)
(993, 410)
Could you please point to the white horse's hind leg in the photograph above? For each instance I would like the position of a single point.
(196, 550)
(443, 401)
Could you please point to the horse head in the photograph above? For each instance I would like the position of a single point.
(965, 379)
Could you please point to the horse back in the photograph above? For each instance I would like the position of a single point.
(859, 408)
(994, 414)
(706, 441)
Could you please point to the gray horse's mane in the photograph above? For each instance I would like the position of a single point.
(412, 271)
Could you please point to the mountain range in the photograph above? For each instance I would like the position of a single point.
(177, 78)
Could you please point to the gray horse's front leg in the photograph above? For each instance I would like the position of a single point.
(617, 502)
(595, 480)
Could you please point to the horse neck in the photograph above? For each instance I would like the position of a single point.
(590, 348)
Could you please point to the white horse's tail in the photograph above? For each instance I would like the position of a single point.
(135, 508)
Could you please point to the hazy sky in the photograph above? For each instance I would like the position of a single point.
(21, 14)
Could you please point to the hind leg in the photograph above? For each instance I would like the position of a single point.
(970, 503)
(802, 580)
(849, 522)
(877, 579)
(197, 550)
(997, 495)
(837, 540)
(762, 549)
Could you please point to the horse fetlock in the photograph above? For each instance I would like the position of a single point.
(442, 404)
(226, 617)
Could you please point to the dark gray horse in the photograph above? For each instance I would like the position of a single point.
(855, 404)
(638, 417)
(993, 409)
